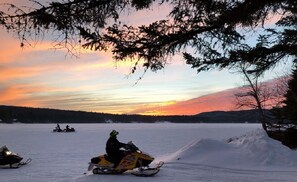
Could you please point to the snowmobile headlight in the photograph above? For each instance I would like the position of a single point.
(8, 152)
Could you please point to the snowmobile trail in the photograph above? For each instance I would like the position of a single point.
(197, 172)
(175, 171)
(252, 157)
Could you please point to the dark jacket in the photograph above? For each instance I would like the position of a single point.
(113, 146)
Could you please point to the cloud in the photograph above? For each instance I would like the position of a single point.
(219, 101)
(20, 94)
(42, 77)
(80, 99)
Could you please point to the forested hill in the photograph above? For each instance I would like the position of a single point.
(12, 114)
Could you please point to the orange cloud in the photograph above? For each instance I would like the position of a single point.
(19, 94)
(15, 73)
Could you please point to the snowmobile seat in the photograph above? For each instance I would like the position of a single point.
(108, 158)
(95, 160)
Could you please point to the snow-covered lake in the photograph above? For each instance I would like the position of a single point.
(192, 152)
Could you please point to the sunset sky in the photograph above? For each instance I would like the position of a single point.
(40, 76)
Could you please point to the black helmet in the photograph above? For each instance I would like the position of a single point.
(113, 133)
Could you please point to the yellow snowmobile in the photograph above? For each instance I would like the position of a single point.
(134, 159)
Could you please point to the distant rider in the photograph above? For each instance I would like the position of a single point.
(58, 127)
(113, 148)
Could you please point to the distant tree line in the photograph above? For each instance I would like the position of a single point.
(12, 114)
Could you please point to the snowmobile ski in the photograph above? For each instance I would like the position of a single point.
(20, 164)
(16, 165)
(147, 172)
(105, 171)
(24, 163)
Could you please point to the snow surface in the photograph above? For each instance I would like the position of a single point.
(192, 152)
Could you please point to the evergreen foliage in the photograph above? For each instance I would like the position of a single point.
(216, 30)
(285, 129)
(290, 108)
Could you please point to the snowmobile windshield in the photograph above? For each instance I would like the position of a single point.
(3, 149)
(131, 146)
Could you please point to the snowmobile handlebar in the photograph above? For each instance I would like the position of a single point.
(130, 146)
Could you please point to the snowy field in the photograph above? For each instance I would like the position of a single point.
(192, 152)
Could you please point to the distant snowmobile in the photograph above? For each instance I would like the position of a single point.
(13, 160)
(134, 159)
(69, 130)
(64, 130)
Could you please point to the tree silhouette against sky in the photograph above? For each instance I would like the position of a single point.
(214, 30)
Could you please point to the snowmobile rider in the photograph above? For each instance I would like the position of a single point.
(113, 148)
(58, 127)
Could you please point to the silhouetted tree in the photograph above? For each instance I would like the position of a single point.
(216, 30)
(253, 95)
(285, 130)
(262, 96)
(290, 108)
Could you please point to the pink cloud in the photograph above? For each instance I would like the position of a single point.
(220, 101)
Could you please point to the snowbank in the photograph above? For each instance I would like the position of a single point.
(254, 150)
